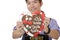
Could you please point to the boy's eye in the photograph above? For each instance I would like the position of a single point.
(35, 1)
(28, 3)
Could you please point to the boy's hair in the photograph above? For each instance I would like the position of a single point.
(39, 0)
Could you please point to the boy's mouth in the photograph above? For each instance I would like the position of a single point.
(33, 9)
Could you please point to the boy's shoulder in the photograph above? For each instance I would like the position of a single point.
(52, 19)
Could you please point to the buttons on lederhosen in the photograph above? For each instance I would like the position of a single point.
(36, 38)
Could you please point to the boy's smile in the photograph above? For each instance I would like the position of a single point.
(33, 5)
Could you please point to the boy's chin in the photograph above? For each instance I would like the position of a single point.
(32, 11)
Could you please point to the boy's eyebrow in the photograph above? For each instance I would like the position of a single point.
(36, 0)
(33, 0)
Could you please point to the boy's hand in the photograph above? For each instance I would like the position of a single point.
(46, 23)
(19, 25)
(19, 30)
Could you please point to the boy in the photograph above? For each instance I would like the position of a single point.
(51, 29)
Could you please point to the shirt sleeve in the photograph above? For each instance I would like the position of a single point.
(14, 28)
(53, 24)
(59, 31)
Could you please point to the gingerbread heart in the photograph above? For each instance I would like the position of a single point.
(32, 23)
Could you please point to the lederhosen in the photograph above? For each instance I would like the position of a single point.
(27, 37)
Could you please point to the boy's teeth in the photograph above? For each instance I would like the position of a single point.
(33, 9)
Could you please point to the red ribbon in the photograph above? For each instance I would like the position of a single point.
(27, 22)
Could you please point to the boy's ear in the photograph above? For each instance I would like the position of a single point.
(41, 3)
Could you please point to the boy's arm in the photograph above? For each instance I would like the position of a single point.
(54, 33)
(16, 34)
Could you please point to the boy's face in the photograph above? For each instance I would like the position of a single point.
(33, 5)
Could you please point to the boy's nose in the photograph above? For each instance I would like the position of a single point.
(32, 5)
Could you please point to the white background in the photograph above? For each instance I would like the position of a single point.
(10, 11)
